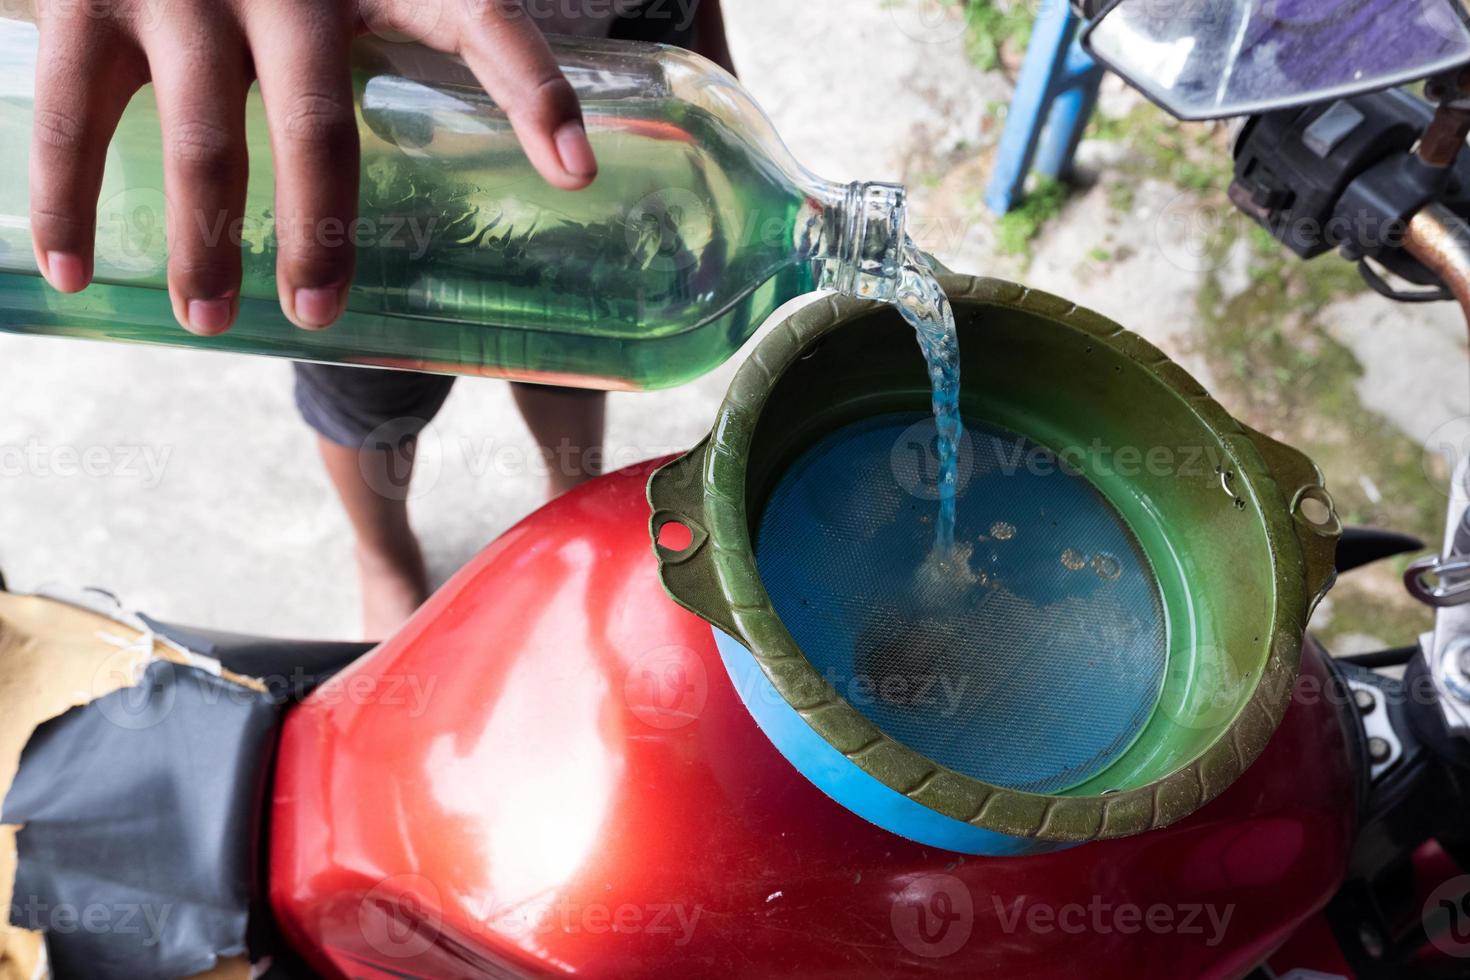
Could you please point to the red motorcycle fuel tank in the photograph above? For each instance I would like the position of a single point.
(549, 772)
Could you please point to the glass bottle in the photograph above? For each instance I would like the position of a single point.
(699, 225)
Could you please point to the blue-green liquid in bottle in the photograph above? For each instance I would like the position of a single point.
(468, 262)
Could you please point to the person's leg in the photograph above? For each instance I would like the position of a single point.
(367, 423)
(392, 576)
(568, 425)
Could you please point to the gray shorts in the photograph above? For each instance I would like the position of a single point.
(347, 405)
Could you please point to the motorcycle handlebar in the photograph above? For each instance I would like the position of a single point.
(1440, 240)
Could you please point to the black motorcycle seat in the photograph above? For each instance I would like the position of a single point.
(289, 668)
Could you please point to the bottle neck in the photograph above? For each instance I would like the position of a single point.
(853, 235)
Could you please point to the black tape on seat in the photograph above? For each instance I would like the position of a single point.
(140, 815)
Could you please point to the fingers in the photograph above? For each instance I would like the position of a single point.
(510, 57)
(83, 83)
(206, 166)
(303, 70)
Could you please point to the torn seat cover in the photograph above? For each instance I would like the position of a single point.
(137, 809)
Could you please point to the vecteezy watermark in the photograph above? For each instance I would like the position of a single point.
(1100, 916)
(1191, 231)
(140, 464)
(662, 227)
(1446, 449)
(405, 458)
(402, 917)
(675, 229)
(135, 706)
(137, 13)
(1215, 691)
(914, 460)
(666, 687)
(566, 917)
(933, 916)
(131, 231)
(1447, 917)
(930, 21)
(410, 233)
(553, 14)
(402, 21)
(132, 228)
(412, 692)
(914, 685)
(504, 458)
(143, 919)
(1220, 693)
(401, 459)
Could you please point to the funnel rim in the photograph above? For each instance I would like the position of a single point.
(1300, 557)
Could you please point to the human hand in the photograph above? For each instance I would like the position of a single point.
(201, 56)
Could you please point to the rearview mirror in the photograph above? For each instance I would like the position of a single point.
(1207, 59)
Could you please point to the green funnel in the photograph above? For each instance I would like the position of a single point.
(1230, 536)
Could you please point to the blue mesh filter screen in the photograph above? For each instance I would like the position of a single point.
(1032, 661)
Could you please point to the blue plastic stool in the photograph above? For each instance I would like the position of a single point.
(1054, 99)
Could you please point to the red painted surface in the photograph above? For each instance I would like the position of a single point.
(548, 772)
(1312, 947)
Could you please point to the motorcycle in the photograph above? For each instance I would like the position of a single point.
(550, 770)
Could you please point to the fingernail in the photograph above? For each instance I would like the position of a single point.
(66, 271)
(210, 316)
(318, 306)
(575, 150)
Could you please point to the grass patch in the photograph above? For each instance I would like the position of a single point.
(1363, 612)
(993, 26)
(1278, 369)
(1190, 156)
(1282, 370)
(1016, 230)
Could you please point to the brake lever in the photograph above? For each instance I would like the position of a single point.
(1439, 582)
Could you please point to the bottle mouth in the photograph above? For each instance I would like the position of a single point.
(866, 234)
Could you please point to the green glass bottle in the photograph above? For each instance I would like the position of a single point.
(699, 225)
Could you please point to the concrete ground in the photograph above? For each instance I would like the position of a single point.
(184, 482)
